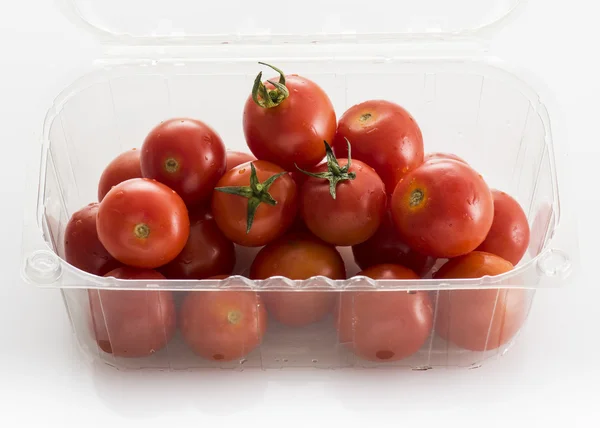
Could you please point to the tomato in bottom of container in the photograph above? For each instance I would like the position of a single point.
(384, 326)
(298, 256)
(222, 325)
(131, 323)
(484, 319)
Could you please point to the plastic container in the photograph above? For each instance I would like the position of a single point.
(161, 61)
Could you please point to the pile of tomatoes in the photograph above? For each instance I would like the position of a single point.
(182, 206)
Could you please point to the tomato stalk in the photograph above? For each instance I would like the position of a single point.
(335, 173)
(256, 193)
(269, 98)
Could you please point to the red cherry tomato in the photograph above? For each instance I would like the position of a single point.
(384, 326)
(83, 249)
(122, 168)
(237, 158)
(386, 246)
(384, 136)
(143, 223)
(222, 325)
(509, 235)
(439, 155)
(130, 323)
(207, 251)
(443, 209)
(343, 204)
(483, 319)
(253, 215)
(287, 124)
(298, 256)
(185, 154)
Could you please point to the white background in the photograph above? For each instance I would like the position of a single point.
(551, 375)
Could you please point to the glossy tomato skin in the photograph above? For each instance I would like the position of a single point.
(143, 223)
(185, 154)
(383, 135)
(222, 325)
(129, 323)
(440, 155)
(298, 256)
(509, 235)
(292, 132)
(387, 247)
(237, 158)
(483, 319)
(384, 326)
(123, 167)
(83, 249)
(270, 222)
(207, 251)
(356, 212)
(443, 209)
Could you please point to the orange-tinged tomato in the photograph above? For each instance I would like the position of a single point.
(482, 319)
(222, 325)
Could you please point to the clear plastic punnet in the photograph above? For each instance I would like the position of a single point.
(165, 59)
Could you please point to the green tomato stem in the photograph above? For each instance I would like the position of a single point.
(266, 98)
(335, 173)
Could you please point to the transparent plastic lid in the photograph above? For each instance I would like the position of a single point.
(308, 21)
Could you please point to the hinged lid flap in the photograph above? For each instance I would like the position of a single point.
(194, 22)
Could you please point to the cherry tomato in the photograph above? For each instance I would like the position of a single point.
(384, 326)
(222, 325)
(123, 167)
(509, 235)
(187, 155)
(130, 323)
(439, 155)
(298, 256)
(443, 209)
(482, 319)
(237, 158)
(386, 246)
(143, 223)
(207, 251)
(83, 249)
(286, 122)
(384, 136)
(255, 203)
(343, 205)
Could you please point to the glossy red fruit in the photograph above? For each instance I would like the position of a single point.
(222, 325)
(386, 247)
(128, 323)
(207, 251)
(255, 203)
(123, 167)
(342, 202)
(298, 256)
(287, 124)
(483, 319)
(443, 209)
(143, 223)
(83, 249)
(384, 326)
(509, 235)
(384, 136)
(185, 154)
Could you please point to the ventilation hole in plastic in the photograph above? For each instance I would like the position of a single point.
(384, 355)
(218, 357)
(105, 346)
